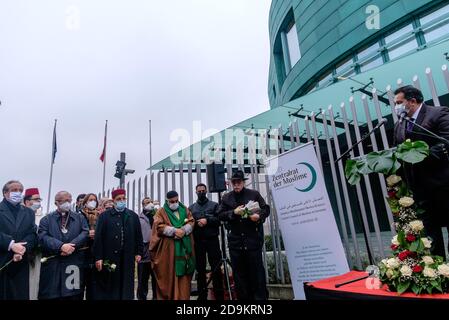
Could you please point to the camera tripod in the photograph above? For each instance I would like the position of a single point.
(224, 261)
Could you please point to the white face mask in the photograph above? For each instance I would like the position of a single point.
(65, 207)
(15, 197)
(173, 206)
(149, 207)
(91, 204)
(36, 206)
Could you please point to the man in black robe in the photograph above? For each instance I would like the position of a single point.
(118, 245)
(17, 238)
(245, 239)
(63, 236)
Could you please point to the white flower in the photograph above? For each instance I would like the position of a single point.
(113, 266)
(416, 225)
(429, 272)
(384, 261)
(444, 270)
(427, 260)
(395, 240)
(393, 180)
(406, 202)
(427, 243)
(406, 271)
(393, 263)
(389, 273)
(253, 206)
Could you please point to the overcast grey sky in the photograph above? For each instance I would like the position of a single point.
(85, 61)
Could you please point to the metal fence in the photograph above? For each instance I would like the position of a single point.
(364, 218)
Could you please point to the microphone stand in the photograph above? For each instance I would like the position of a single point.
(338, 285)
(365, 136)
(224, 260)
(427, 131)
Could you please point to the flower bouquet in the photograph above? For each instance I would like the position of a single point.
(412, 268)
(250, 208)
(111, 267)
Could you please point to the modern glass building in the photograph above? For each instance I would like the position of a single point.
(334, 65)
(318, 43)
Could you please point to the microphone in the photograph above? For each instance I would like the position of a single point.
(402, 116)
(381, 123)
(365, 136)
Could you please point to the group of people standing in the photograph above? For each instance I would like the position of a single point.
(91, 252)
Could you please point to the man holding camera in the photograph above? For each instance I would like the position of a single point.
(205, 234)
(245, 238)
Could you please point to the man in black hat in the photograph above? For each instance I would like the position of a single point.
(245, 238)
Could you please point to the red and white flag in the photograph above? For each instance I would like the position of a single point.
(103, 154)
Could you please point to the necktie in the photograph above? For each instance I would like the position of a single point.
(410, 124)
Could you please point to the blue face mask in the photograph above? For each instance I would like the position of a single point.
(120, 205)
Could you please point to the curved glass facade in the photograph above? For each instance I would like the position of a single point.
(411, 28)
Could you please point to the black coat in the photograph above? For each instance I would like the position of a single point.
(209, 211)
(244, 234)
(17, 225)
(57, 272)
(429, 179)
(118, 243)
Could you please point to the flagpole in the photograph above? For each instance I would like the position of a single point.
(151, 156)
(51, 166)
(104, 159)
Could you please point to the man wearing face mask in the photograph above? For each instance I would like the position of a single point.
(17, 239)
(79, 202)
(63, 235)
(118, 241)
(205, 234)
(144, 270)
(429, 179)
(171, 249)
(245, 238)
(33, 201)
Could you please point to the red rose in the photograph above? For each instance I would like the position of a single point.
(403, 255)
(417, 269)
(412, 254)
(410, 237)
(392, 194)
(394, 247)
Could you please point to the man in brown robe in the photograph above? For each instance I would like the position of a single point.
(171, 249)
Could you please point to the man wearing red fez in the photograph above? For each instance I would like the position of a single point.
(32, 200)
(118, 245)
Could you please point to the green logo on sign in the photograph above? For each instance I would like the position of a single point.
(313, 180)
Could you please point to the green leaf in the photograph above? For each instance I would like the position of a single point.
(352, 172)
(412, 152)
(417, 246)
(381, 162)
(403, 190)
(403, 286)
(415, 288)
(414, 245)
(401, 238)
